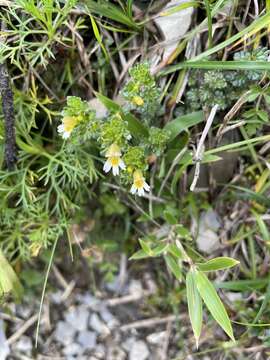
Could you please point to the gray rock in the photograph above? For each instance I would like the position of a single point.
(128, 343)
(135, 288)
(24, 311)
(4, 348)
(108, 318)
(24, 345)
(88, 300)
(56, 297)
(64, 333)
(156, 338)
(78, 317)
(73, 349)
(87, 340)
(100, 352)
(96, 324)
(139, 350)
(207, 238)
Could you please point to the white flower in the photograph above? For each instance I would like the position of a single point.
(114, 160)
(139, 184)
(68, 124)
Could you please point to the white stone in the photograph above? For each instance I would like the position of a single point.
(78, 317)
(73, 349)
(109, 319)
(64, 333)
(207, 238)
(139, 351)
(96, 324)
(87, 339)
(156, 338)
(24, 345)
(4, 348)
(173, 26)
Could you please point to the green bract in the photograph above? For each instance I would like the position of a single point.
(114, 130)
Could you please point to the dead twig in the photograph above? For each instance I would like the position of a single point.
(13, 338)
(200, 148)
(128, 298)
(152, 322)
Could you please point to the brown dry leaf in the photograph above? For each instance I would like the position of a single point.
(79, 232)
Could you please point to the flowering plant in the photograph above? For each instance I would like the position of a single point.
(118, 136)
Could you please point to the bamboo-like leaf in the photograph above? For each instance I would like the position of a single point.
(213, 302)
(146, 248)
(173, 266)
(160, 249)
(219, 263)
(140, 254)
(183, 122)
(9, 282)
(175, 251)
(194, 305)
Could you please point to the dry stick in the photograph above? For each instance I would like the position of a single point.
(231, 114)
(33, 319)
(151, 322)
(8, 111)
(200, 149)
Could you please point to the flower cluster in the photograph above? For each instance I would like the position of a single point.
(141, 92)
(125, 151)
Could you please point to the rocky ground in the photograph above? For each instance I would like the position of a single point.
(75, 324)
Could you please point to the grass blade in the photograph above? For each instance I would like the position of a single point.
(111, 11)
(218, 65)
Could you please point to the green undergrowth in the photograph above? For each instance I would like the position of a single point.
(91, 185)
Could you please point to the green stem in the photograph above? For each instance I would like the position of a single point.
(209, 22)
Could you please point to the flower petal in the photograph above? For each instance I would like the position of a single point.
(133, 189)
(141, 192)
(122, 164)
(146, 186)
(61, 128)
(115, 170)
(107, 166)
(66, 134)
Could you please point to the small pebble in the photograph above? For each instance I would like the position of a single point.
(156, 338)
(64, 333)
(128, 343)
(24, 345)
(100, 352)
(4, 348)
(96, 324)
(73, 349)
(87, 340)
(139, 351)
(78, 317)
(108, 318)
(88, 300)
(135, 288)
